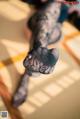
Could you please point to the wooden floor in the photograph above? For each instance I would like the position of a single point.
(46, 93)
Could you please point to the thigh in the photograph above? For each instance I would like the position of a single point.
(55, 34)
(32, 21)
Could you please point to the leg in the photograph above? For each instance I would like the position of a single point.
(22, 91)
(32, 21)
(55, 34)
(51, 62)
(41, 60)
(55, 53)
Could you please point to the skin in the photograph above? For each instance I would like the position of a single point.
(74, 9)
(40, 58)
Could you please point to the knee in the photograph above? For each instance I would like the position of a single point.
(55, 53)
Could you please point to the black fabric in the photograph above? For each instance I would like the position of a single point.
(74, 19)
(39, 58)
(38, 4)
